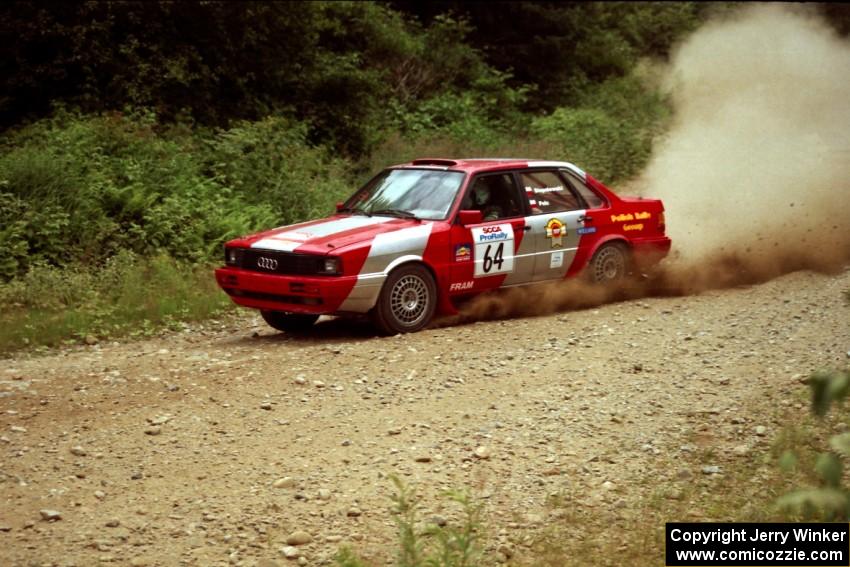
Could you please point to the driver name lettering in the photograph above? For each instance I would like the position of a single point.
(545, 189)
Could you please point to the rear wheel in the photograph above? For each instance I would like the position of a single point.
(407, 300)
(289, 322)
(609, 264)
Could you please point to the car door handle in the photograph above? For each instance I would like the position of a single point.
(585, 218)
(526, 227)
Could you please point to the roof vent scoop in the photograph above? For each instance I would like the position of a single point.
(433, 161)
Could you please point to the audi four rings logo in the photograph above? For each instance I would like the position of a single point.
(267, 263)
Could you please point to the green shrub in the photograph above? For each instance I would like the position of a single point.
(830, 499)
(29, 228)
(610, 130)
(591, 138)
(78, 189)
(269, 163)
(91, 206)
(430, 545)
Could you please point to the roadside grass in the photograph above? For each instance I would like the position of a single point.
(426, 544)
(128, 296)
(747, 490)
(626, 526)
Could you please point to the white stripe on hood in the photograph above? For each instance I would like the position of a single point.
(291, 239)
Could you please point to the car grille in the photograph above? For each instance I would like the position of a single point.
(270, 261)
(291, 299)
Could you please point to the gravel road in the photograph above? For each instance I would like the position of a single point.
(232, 444)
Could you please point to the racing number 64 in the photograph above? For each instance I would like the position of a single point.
(495, 259)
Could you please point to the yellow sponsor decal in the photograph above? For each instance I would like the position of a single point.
(626, 217)
(555, 230)
(638, 226)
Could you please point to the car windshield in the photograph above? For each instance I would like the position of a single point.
(411, 193)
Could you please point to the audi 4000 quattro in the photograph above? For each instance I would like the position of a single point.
(423, 236)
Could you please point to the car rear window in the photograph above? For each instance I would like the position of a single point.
(593, 200)
(548, 193)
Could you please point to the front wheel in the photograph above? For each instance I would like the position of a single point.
(289, 322)
(609, 264)
(407, 300)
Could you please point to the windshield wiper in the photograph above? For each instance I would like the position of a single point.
(355, 210)
(396, 213)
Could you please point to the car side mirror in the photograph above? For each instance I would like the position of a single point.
(470, 217)
(339, 206)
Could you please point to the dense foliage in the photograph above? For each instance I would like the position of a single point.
(171, 127)
(165, 128)
(77, 189)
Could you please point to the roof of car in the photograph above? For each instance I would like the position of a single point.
(470, 165)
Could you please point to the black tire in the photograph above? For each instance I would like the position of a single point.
(289, 322)
(611, 263)
(407, 300)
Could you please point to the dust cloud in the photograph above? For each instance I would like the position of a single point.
(754, 170)
(756, 165)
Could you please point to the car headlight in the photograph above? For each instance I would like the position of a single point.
(233, 256)
(332, 266)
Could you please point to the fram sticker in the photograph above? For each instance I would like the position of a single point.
(463, 252)
(586, 230)
(461, 286)
(555, 230)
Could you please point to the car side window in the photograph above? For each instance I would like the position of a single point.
(548, 193)
(495, 195)
(593, 200)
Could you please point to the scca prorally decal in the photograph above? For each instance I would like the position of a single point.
(490, 233)
(494, 249)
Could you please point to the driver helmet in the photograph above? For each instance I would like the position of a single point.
(481, 194)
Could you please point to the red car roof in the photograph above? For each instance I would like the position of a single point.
(469, 165)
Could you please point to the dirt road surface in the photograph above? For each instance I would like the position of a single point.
(216, 445)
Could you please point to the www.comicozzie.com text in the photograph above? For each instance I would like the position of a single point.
(756, 534)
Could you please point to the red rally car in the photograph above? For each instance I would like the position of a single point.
(420, 237)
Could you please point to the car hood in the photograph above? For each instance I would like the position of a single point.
(325, 236)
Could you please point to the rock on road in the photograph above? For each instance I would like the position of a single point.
(233, 444)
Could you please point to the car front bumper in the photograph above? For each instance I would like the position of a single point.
(299, 294)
